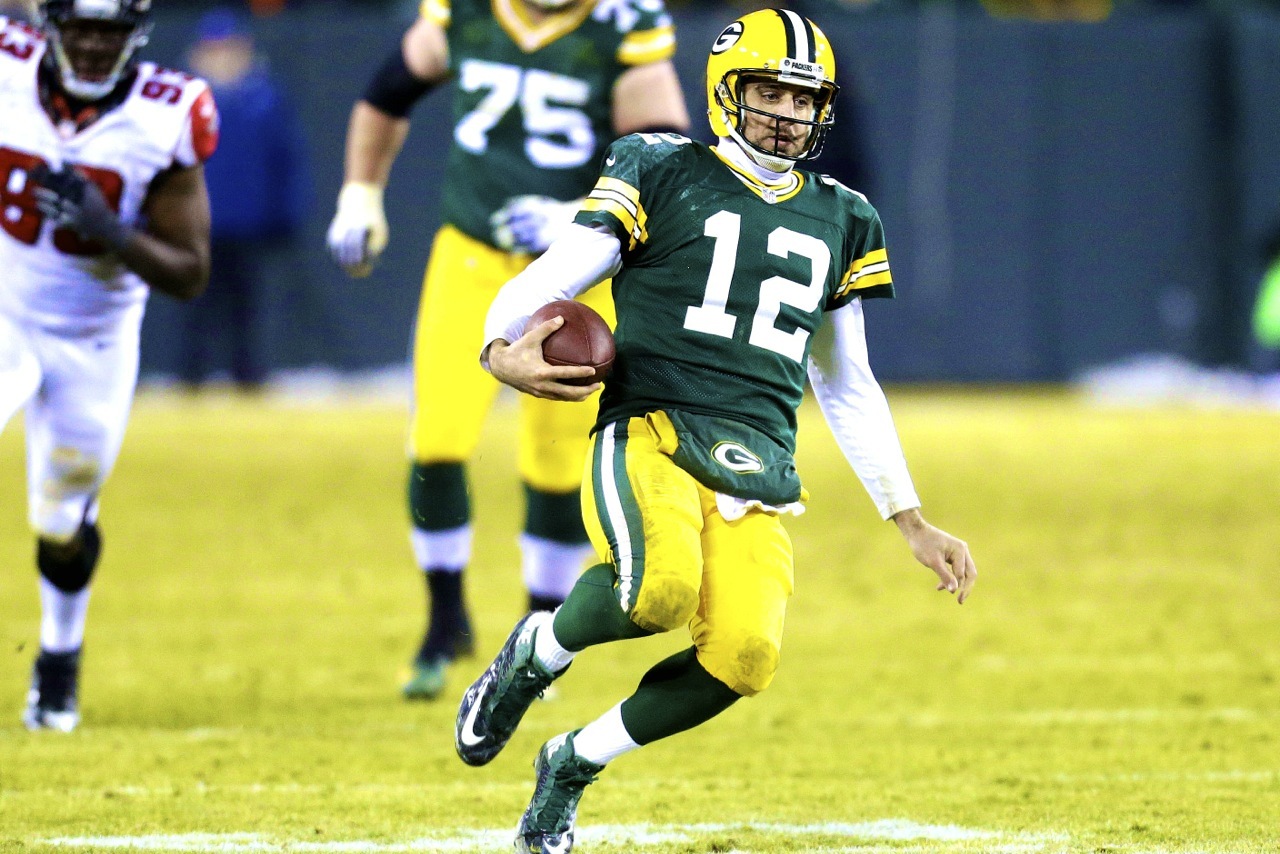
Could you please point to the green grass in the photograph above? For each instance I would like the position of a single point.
(1111, 686)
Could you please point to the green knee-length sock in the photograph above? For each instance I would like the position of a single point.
(592, 615)
(675, 695)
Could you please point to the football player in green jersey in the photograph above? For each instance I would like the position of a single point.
(541, 87)
(735, 277)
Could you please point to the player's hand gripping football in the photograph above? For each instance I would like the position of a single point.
(531, 223)
(946, 555)
(71, 200)
(521, 366)
(358, 232)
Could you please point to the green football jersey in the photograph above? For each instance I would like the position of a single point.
(724, 281)
(533, 102)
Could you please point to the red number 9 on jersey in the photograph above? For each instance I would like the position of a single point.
(19, 215)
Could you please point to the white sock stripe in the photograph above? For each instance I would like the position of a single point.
(547, 647)
(604, 739)
(62, 617)
(449, 549)
(550, 568)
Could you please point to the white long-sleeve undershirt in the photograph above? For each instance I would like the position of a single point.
(579, 259)
(856, 410)
(851, 400)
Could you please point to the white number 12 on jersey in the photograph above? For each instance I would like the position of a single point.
(775, 292)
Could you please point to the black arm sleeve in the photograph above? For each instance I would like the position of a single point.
(394, 89)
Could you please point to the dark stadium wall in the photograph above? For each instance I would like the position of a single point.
(1056, 196)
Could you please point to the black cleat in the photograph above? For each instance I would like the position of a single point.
(51, 702)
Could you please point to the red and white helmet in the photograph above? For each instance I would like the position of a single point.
(92, 77)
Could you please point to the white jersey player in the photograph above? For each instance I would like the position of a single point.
(102, 199)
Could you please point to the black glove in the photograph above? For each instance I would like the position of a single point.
(73, 201)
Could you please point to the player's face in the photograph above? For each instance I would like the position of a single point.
(93, 47)
(775, 133)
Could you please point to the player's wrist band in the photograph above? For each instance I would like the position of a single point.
(394, 89)
(362, 195)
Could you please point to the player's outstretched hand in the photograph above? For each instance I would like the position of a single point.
(358, 233)
(521, 366)
(946, 555)
(71, 200)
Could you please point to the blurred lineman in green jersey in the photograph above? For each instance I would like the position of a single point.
(541, 87)
(735, 277)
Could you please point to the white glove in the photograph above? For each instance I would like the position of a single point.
(531, 223)
(358, 233)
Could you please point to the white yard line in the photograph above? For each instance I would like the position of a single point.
(633, 836)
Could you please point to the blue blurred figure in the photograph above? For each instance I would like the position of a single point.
(259, 191)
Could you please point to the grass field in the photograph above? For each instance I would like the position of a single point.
(1112, 686)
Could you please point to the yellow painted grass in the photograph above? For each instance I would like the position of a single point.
(1111, 686)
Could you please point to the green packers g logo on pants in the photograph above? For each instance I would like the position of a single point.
(736, 458)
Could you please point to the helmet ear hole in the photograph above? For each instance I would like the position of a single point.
(723, 96)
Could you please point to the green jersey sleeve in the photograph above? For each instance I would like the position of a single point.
(867, 275)
(633, 168)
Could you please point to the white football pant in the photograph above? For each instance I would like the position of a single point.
(77, 388)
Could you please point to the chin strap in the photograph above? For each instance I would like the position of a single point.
(744, 158)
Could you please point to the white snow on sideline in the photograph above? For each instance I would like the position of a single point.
(1160, 379)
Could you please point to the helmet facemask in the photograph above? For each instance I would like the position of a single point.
(730, 95)
(92, 43)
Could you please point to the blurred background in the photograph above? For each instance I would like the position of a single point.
(1069, 187)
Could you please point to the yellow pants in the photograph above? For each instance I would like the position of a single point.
(678, 561)
(452, 393)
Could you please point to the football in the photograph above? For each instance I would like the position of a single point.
(584, 339)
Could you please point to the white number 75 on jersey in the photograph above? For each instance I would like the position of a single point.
(547, 103)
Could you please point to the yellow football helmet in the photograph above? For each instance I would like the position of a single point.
(778, 45)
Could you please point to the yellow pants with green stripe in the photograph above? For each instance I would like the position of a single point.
(679, 562)
(452, 393)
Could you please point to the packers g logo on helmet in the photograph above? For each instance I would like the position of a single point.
(728, 38)
(777, 45)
